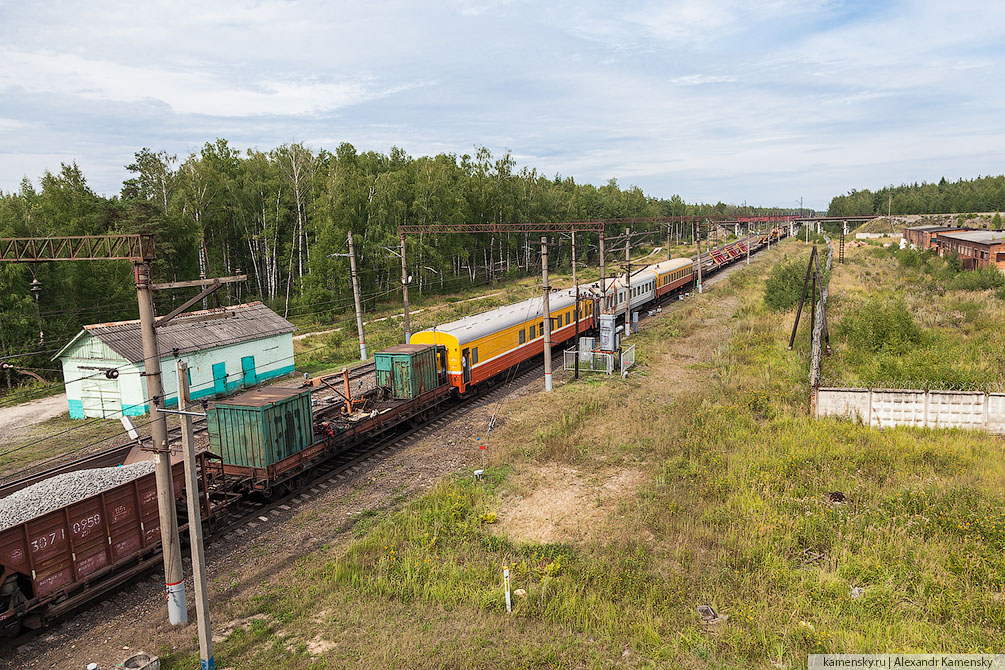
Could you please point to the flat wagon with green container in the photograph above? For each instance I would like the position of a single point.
(269, 437)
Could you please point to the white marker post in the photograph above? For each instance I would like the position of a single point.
(509, 603)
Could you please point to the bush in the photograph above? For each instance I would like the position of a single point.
(881, 325)
(785, 285)
(996, 221)
(982, 279)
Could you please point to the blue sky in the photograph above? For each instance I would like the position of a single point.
(762, 101)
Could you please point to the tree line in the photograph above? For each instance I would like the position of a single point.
(282, 217)
(983, 194)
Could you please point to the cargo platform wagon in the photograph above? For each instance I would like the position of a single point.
(268, 439)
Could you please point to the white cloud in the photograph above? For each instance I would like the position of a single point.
(184, 91)
(718, 99)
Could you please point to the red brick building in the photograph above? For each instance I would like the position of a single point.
(976, 248)
(923, 237)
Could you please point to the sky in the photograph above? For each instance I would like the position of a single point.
(764, 102)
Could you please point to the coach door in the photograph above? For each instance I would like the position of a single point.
(466, 365)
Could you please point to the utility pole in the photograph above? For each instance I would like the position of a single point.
(355, 296)
(174, 577)
(697, 238)
(404, 290)
(547, 314)
(628, 280)
(603, 266)
(194, 522)
(669, 255)
(748, 241)
(575, 313)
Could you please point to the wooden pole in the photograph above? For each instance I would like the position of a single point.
(195, 522)
(355, 296)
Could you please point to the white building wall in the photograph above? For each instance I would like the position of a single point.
(91, 394)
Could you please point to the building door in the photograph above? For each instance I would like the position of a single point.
(219, 378)
(248, 368)
(466, 365)
(100, 398)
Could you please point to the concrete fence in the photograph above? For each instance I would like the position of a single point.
(933, 409)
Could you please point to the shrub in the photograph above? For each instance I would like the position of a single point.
(981, 279)
(785, 285)
(996, 221)
(885, 325)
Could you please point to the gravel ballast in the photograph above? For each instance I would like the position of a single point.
(65, 489)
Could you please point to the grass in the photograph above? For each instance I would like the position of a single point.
(732, 509)
(900, 318)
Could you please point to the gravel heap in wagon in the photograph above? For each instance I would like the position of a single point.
(65, 489)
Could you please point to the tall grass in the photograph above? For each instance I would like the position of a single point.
(734, 510)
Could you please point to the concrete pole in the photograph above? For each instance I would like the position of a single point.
(404, 289)
(603, 264)
(355, 297)
(174, 577)
(748, 242)
(547, 314)
(575, 313)
(628, 280)
(195, 523)
(669, 255)
(697, 239)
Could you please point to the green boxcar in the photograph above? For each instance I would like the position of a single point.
(260, 427)
(409, 370)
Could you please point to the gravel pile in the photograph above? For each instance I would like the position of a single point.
(64, 489)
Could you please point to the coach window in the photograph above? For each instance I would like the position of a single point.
(568, 319)
(474, 355)
(532, 332)
(522, 336)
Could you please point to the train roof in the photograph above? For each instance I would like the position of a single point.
(476, 326)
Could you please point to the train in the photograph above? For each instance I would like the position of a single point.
(267, 442)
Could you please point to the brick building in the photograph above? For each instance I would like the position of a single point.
(976, 248)
(923, 237)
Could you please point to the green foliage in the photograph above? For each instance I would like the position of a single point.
(981, 279)
(996, 221)
(881, 325)
(785, 284)
(966, 195)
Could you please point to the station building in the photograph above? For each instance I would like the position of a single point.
(976, 248)
(226, 349)
(923, 237)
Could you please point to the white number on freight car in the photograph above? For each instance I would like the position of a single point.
(40, 543)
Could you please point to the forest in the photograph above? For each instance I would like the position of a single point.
(281, 217)
(983, 194)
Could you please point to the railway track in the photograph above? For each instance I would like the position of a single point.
(247, 513)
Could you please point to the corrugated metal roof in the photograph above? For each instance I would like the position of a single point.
(193, 331)
(978, 236)
(262, 397)
(935, 229)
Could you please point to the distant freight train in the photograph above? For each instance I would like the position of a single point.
(268, 441)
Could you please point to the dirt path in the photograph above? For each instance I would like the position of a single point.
(13, 420)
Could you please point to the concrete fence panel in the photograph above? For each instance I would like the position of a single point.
(902, 407)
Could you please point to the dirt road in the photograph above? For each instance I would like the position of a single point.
(13, 420)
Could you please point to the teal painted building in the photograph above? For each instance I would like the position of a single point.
(226, 349)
